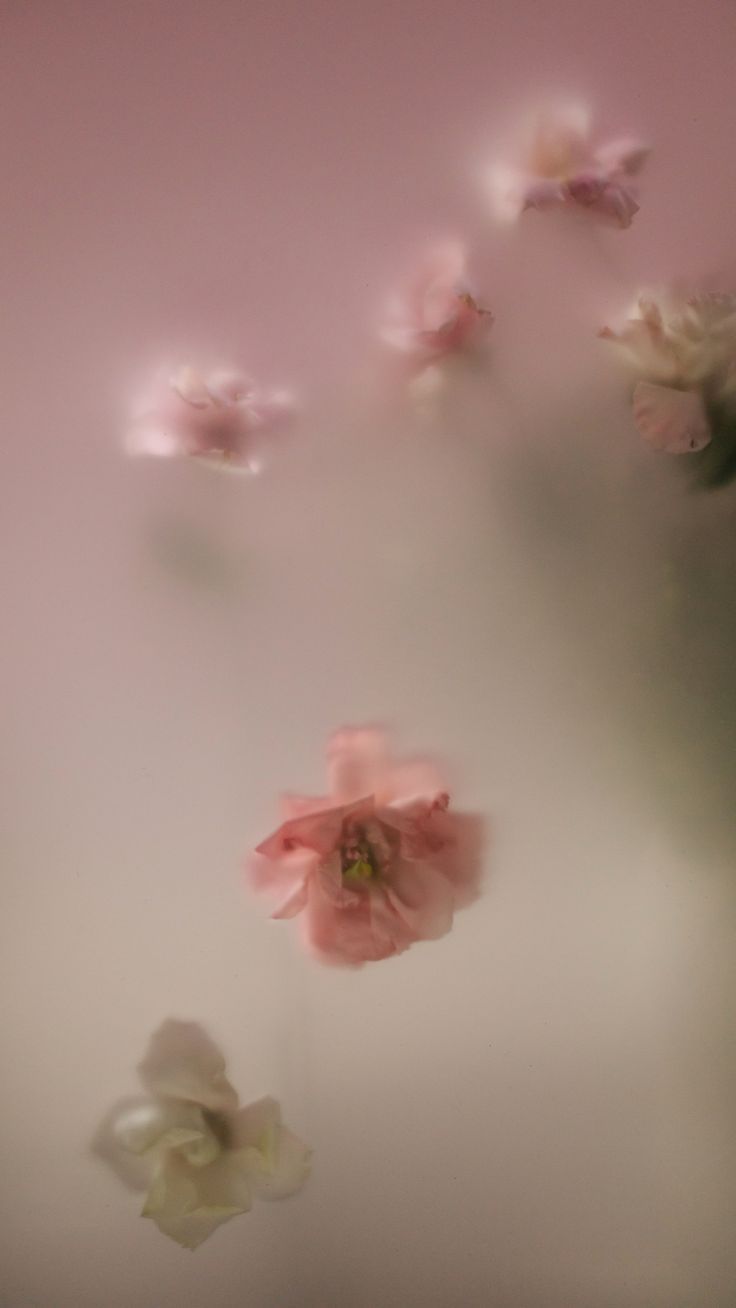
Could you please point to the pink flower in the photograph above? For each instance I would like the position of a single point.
(378, 864)
(218, 418)
(559, 168)
(435, 314)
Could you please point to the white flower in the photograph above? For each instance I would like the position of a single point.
(682, 350)
(200, 1156)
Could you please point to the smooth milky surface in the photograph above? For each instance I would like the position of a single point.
(537, 1110)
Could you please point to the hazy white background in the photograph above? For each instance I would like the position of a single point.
(537, 1111)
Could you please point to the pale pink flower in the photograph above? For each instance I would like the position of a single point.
(200, 1157)
(219, 418)
(379, 863)
(435, 313)
(557, 166)
(682, 351)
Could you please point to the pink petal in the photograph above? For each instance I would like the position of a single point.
(617, 205)
(460, 844)
(229, 387)
(586, 188)
(543, 193)
(626, 155)
(292, 806)
(273, 411)
(152, 437)
(414, 779)
(357, 762)
(422, 897)
(318, 831)
(441, 269)
(671, 421)
(191, 387)
(368, 930)
(285, 878)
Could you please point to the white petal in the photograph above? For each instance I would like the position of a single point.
(672, 421)
(188, 1204)
(183, 1063)
(139, 1127)
(278, 1162)
(288, 1164)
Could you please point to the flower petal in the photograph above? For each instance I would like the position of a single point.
(153, 437)
(542, 194)
(625, 155)
(348, 933)
(357, 762)
(278, 1161)
(134, 1170)
(183, 1063)
(188, 1203)
(272, 411)
(558, 140)
(228, 386)
(422, 897)
(671, 421)
(190, 385)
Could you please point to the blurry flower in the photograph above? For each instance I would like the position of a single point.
(435, 314)
(199, 1155)
(378, 864)
(558, 167)
(218, 418)
(682, 350)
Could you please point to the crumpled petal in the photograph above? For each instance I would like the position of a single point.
(542, 193)
(285, 878)
(278, 1161)
(189, 1203)
(435, 315)
(366, 930)
(183, 1063)
(422, 897)
(616, 204)
(557, 167)
(671, 421)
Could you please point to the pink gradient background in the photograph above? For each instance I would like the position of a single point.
(536, 1112)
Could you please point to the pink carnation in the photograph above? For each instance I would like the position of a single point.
(218, 418)
(378, 864)
(557, 166)
(435, 314)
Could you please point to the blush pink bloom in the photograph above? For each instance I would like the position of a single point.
(379, 863)
(218, 418)
(557, 166)
(435, 314)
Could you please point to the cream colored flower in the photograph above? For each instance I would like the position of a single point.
(200, 1156)
(682, 351)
